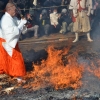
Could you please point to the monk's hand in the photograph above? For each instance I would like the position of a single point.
(24, 21)
(21, 24)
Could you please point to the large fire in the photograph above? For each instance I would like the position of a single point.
(60, 70)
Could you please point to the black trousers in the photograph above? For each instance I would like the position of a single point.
(55, 29)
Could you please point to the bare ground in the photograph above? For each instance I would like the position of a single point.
(33, 50)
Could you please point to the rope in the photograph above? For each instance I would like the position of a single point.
(41, 8)
(46, 7)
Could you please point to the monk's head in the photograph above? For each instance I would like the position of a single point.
(11, 9)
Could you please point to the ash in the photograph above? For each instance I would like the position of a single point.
(90, 89)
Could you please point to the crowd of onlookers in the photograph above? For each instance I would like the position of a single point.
(48, 16)
(45, 16)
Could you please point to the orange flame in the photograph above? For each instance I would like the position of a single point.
(53, 72)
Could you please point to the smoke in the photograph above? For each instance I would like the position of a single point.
(95, 32)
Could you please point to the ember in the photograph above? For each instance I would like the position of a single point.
(94, 67)
(54, 72)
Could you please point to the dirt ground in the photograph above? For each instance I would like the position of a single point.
(35, 50)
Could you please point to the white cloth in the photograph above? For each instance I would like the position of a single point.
(73, 4)
(84, 3)
(35, 2)
(0, 33)
(54, 18)
(10, 32)
(20, 24)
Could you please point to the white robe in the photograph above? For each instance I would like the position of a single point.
(10, 33)
(0, 33)
(54, 18)
(84, 3)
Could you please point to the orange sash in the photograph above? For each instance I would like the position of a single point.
(80, 8)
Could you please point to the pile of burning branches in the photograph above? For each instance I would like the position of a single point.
(60, 70)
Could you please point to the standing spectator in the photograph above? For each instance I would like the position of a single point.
(81, 12)
(54, 17)
(45, 21)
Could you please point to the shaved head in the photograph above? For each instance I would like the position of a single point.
(11, 9)
(9, 6)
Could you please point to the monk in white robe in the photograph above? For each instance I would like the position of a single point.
(81, 12)
(11, 60)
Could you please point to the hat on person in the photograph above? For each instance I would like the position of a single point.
(44, 11)
(64, 10)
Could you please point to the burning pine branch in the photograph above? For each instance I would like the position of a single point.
(54, 72)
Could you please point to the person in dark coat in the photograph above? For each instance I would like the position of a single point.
(45, 22)
(65, 21)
